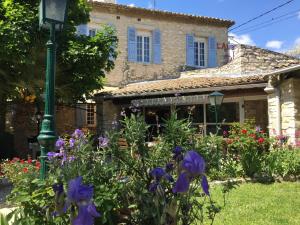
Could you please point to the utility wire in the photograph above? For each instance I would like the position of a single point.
(269, 24)
(263, 14)
(271, 21)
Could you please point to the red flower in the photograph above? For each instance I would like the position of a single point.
(261, 140)
(229, 141)
(252, 135)
(29, 161)
(244, 131)
(22, 161)
(25, 170)
(37, 165)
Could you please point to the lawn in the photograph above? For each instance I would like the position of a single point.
(260, 204)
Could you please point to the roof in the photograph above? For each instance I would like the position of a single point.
(159, 14)
(181, 85)
(249, 69)
(248, 60)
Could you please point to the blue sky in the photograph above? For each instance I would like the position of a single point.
(282, 35)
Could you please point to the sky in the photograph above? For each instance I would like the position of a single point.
(277, 31)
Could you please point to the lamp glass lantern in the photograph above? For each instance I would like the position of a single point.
(52, 12)
(216, 98)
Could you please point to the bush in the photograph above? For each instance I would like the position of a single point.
(281, 162)
(249, 145)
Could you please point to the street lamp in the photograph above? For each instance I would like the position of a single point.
(52, 15)
(216, 100)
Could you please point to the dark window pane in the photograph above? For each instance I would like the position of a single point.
(228, 112)
(194, 112)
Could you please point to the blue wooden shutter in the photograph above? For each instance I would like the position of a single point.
(156, 46)
(132, 48)
(190, 50)
(82, 29)
(212, 52)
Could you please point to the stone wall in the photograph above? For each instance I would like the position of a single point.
(24, 126)
(173, 45)
(257, 110)
(107, 114)
(289, 105)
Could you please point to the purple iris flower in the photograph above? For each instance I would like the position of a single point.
(177, 153)
(193, 166)
(52, 155)
(58, 188)
(78, 192)
(60, 143)
(193, 163)
(78, 133)
(204, 185)
(86, 215)
(103, 142)
(158, 173)
(72, 142)
(71, 158)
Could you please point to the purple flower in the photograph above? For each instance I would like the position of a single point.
(157, 173)
(78, 192)
(58, 188)
(193, 163)
(177, 94)
(72, 142)
(71, 158)
(153, 186)
(86, 215)
(182, 184)
(52, 155)
(103, 142)
(204, 185)
(60, 143)
(78, 133)
(257, 129)
(177, 153)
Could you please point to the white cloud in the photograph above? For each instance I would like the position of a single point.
(297, 41)
(131, 5)
(241, 39)
(274, 44)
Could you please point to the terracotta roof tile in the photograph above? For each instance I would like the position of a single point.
(188, 18)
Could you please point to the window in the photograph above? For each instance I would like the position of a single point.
(200, 52)
(92, 32)
(143, 48)
(91, 114)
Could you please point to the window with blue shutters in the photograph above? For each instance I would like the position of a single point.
(201, 52)
(144, 46)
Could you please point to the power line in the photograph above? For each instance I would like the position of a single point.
(271, 21)
(269, 24)
(263, 14)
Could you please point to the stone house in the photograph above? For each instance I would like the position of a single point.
(173, 61)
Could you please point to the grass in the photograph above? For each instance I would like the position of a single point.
(260, 204)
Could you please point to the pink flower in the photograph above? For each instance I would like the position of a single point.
(261, 140)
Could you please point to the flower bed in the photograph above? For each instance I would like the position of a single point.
(94, 180)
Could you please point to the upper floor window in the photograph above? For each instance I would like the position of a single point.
(92, 32)
(143, 48)
(200, 52)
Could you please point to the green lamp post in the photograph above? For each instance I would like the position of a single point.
(216, 100)
(52, 15)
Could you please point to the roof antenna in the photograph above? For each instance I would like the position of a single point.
(154, 4)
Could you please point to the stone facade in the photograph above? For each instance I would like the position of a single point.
(173, 44)
(284, 108)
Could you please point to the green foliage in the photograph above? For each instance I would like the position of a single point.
(282, 162)
(81, 61)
